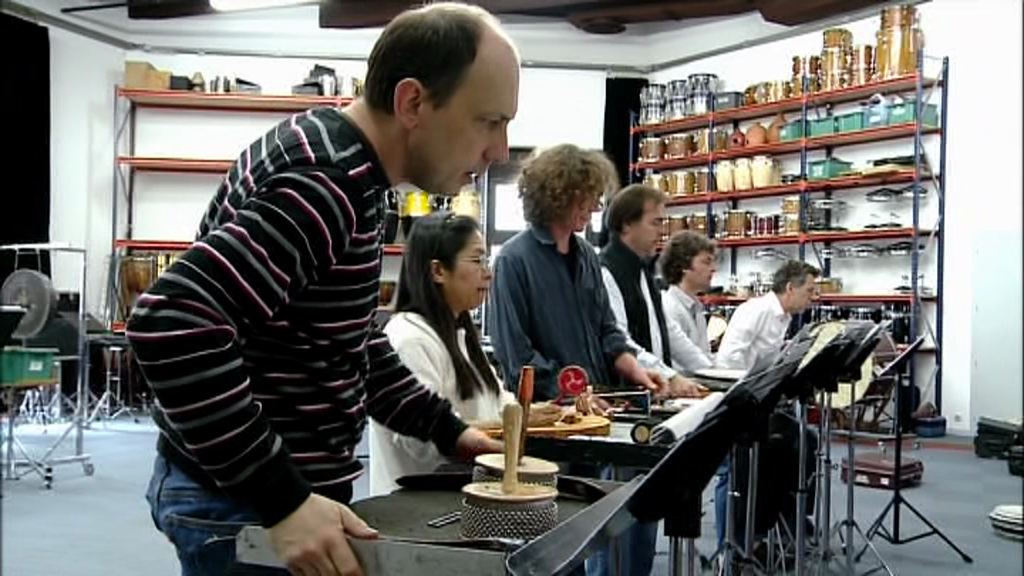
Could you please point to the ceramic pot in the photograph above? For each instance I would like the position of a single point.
(757, 135)
(775, 127)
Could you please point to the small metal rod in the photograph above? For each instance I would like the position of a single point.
(73, 9)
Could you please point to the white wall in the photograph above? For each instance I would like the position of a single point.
(83, 73)
(977, 377)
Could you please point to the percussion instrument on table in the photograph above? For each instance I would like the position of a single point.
(508, 509)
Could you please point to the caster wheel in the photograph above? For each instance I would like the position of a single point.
(917, 445)
(48, 484)
(88, 468)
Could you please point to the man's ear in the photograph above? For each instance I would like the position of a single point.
(410, 97)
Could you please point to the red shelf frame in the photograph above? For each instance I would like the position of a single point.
(844, 95)
(153, 245)
(868, 135)
(833, 299)
(176, 165)
(236, 101)
(811, 237)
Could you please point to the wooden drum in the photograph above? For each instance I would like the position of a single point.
(736, 223)
(137, 274)
(790, 216)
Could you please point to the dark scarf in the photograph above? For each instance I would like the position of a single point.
(625, 266)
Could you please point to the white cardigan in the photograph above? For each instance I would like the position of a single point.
(422, 351)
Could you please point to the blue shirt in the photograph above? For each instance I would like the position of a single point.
(550, 310)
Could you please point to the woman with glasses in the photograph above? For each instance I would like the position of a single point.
(445, 276)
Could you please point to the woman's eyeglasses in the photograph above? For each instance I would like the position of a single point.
(482, 262)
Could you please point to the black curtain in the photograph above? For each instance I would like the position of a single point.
(26, 216)
(622, 96)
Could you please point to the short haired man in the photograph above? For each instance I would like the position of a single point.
(257, 342)
(688, 263)
(758, 327)
(548, 305)
(635, 220)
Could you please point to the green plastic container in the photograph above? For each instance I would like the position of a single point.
(792, 131)
(827, 168)
(823, 127)
(903, 113)
(851, 122)
(27, 366)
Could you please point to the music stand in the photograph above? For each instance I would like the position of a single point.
(897, 368)
(670, 490)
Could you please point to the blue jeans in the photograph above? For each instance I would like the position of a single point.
(721, 501)
(201, 524)
(634, 548)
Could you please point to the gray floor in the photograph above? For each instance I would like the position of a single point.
(100, 525)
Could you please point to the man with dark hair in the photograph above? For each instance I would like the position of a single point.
(635, 220)
(258, 343)
(687, 265)
(758, 326)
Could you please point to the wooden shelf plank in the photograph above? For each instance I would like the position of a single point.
(153, 245)
(178, 165)
(236, 101)
(842, 96)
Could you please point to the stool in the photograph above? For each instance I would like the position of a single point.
(110, 404)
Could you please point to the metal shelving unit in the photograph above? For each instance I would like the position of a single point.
(917, 84)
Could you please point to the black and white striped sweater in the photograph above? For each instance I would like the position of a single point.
(258, 341)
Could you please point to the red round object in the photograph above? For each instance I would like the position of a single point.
(572, 381)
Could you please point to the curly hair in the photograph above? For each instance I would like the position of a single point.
(679, 253)
(555, 179)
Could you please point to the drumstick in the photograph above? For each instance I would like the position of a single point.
(525, 398)
(511, 420)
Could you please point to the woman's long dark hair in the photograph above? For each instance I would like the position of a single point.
(441, 236)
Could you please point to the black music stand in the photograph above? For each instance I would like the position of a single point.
(672, 490)
(898, 368)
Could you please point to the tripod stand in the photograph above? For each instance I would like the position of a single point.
(849, 523)
(898, 501)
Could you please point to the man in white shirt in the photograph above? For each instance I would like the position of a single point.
(758, 329)
(687, 264)
(758, 326)
(635, 220)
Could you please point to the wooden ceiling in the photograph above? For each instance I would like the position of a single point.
(594, 16)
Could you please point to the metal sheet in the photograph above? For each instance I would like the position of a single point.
(386, 557)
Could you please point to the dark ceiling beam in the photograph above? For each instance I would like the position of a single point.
(165, 9)
(790, 13)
